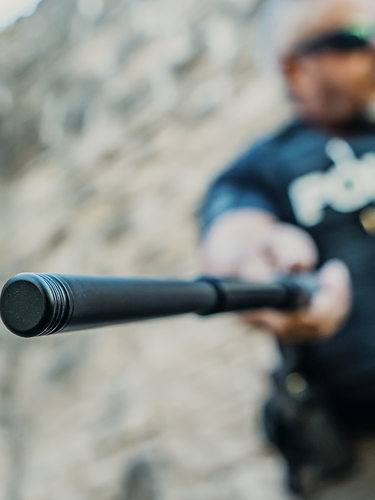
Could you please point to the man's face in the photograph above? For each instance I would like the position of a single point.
(333, 86)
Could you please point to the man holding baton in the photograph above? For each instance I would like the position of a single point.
(304, 200)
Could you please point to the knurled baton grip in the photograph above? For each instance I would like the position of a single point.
(43, 304)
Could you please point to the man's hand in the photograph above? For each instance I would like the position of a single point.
(251, 244)
(328, 311)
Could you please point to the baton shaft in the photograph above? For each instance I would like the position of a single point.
(43, 304)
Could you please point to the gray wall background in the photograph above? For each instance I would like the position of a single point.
(114, 116)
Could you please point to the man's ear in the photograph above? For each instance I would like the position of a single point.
(290, 70)
(297, 73)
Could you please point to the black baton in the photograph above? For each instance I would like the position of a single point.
(43, 304)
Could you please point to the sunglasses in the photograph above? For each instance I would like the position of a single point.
(344, 40)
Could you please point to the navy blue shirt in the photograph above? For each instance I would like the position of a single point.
(325, 185)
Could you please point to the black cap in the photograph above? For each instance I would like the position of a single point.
(35, 304)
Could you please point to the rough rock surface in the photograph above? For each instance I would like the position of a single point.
(114, 116)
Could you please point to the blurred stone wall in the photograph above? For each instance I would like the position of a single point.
(114, 116)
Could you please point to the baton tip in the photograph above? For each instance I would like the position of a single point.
(23, 307)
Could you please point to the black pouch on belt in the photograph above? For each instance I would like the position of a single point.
(300, 424)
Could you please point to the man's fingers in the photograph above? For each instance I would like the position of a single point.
(276, 321)
(329, 308)
(334, 275)
(257, 268)
(332, 302)
(235, 237)
(291, 249)
(287, 249)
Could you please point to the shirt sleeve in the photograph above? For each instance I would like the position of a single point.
(243, 185)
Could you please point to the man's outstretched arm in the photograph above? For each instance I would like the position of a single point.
(253, 244)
